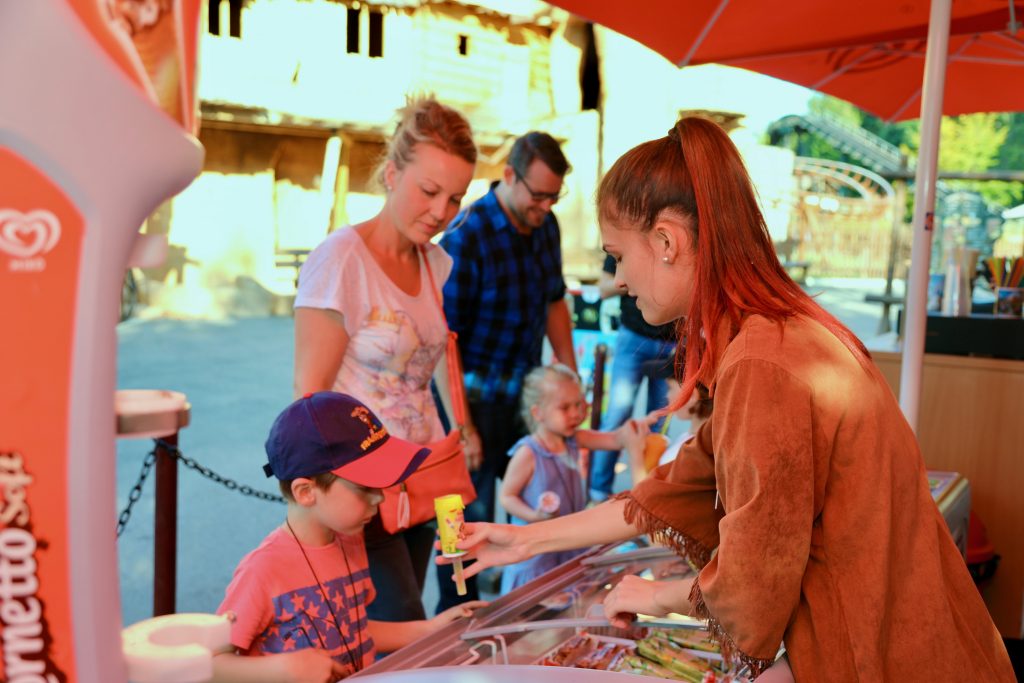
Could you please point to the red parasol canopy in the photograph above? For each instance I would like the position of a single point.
(899, 60)
(870, 53)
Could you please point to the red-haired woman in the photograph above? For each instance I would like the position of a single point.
(803, 499)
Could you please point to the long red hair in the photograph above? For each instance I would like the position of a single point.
(696, 173)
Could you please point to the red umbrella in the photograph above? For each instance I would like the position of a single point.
(898, 60)
(871, 54)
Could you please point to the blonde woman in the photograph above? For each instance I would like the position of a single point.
(367, 323)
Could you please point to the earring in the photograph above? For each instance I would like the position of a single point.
(665, 259)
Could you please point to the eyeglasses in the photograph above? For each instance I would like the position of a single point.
(539, 197)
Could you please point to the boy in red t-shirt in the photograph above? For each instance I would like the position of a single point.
(300, 598)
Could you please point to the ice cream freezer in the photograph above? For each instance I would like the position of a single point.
(553, 629)
(556, 621)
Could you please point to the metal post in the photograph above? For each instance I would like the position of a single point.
(600, 356)
(924, 208)
(165, 529)
(895, 244)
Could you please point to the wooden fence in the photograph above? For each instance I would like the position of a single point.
(841, 239)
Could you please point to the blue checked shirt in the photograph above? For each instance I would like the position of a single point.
(497, 296)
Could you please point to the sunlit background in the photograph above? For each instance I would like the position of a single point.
(298, 96)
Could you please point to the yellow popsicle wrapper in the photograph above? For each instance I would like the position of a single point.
(449, 525)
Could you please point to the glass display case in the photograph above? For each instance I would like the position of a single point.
(558, 620)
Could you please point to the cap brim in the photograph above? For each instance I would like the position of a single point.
(387, 465)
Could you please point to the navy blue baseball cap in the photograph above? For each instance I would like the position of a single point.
(332, 432)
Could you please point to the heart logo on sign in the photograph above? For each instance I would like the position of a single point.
(24, 235)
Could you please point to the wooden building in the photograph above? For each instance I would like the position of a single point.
(297, 98)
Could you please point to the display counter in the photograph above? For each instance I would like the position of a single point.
(557, 620)
(972, 422)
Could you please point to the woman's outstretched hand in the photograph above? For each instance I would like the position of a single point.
(490, 545)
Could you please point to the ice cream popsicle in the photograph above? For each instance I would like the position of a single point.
(449, 525)
(654, 447)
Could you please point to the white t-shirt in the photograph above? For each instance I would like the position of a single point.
(395, 340)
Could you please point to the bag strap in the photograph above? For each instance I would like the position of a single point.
(455, 384)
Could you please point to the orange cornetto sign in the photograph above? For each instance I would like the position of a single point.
(49, 216)
(40, 233)
(26, 634)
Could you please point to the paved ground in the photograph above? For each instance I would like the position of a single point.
(237, 376)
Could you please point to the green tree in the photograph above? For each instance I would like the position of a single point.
(817, 147)
(1011, 157)
(898, 134)
(969, 143)
(977, 143)
(836, 108)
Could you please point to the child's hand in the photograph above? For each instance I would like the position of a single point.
(548, 505)
(633, 434)
(473, 448)
(309, 666)
(541, 516)
(652, 417)
(466, 609)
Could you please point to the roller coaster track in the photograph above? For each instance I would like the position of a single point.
(868, 149)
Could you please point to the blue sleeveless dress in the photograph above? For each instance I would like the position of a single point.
(551, 472)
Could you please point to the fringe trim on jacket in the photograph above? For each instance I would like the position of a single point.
(730, 650)
(687, 547)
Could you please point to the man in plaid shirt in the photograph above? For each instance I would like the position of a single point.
(505, 292)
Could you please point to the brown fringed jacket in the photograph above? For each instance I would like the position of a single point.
(824, 532)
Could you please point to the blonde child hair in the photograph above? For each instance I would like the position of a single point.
(537, 384)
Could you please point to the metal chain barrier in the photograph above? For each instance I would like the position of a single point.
(174, 452)
(136, 492)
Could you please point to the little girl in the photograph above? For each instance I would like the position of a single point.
(546, 476)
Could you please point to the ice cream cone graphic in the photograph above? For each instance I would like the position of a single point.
(157, 45)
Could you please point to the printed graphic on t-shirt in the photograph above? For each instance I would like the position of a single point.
(395, 364)
(303, 620)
